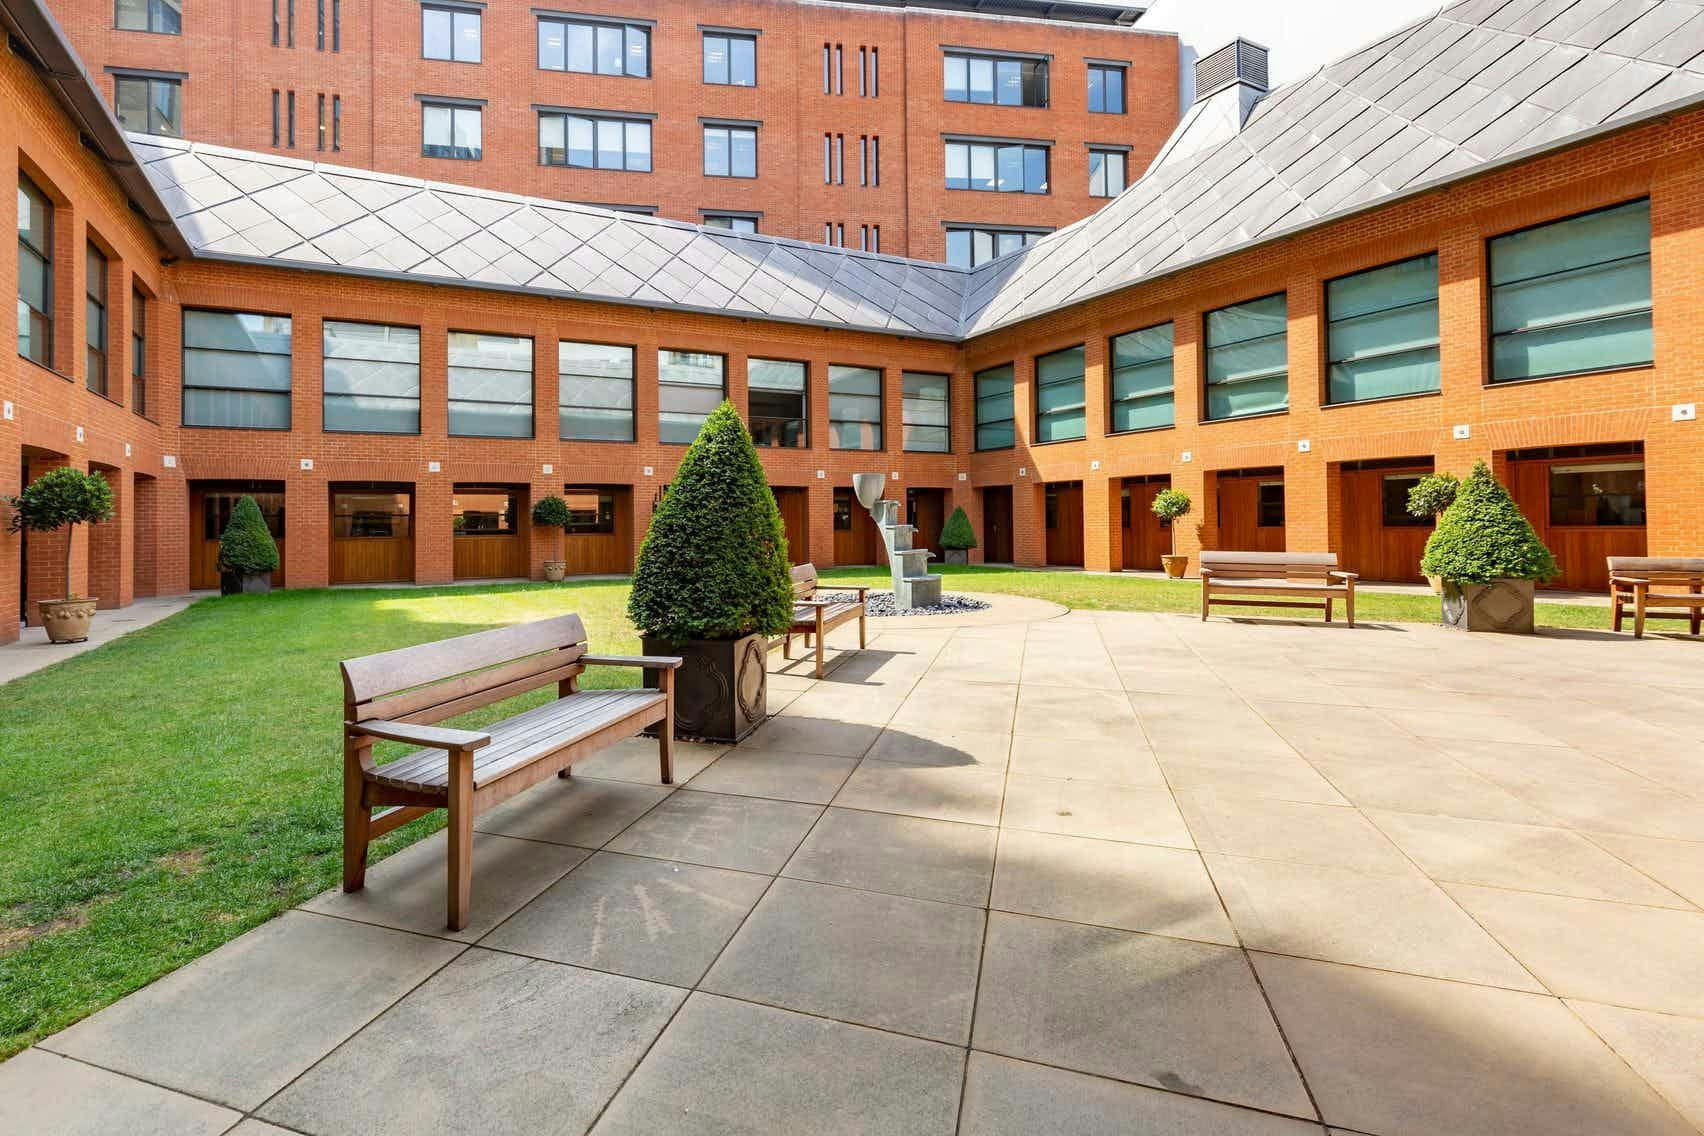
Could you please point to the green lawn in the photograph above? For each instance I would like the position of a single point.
(171, 790)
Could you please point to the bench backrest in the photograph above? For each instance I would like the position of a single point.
(433, 681)
(1269, 565)
(1659, 569)
(804, 581)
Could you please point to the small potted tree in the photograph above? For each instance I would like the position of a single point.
(1428, 498)
(63, 498)
(1171, 505)
(957, 539)
(248, 556)
(552, 513)
(1489, 558)
(712, 582)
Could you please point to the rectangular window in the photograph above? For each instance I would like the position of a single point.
(1572, 296)
(322, 132)
(590, 511)
(730, 60)
(875, 72)
(290, 23)
(1382, 331)
(274, 23)
(839, 72)
(585, 142)
(275, 117)
(1106, 89)
(997, 167)
(1000, 80)
(1248, 358)
(876, 160)
(778, 394)
(491, 385)
(139, 352)
(969, 246)
(1269, 505)
(477, 510)
(730, 151)
(319, 26)
(450, 33)
(1059, 399)
(164, 17)
(854, 408)
(374, 514)
(1106, 173)
(236, 370)
(35, 273)
(594, 48)
(95, 320)
(926, 413)
(1601, 495)
(371, 378)
(862, 54)
(733, 222)
(1393, 502)
(1141, 396)
(290, 118)
(594, 392)
(336, 123)
(148, 104)
(690, 384)
(337, 25)
(996, 420)
(450, 131)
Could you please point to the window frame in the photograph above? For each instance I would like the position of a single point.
(514, 510)
(627, 28)
(626, 121)
(1207, 348)
(1106, 154)
(532, 387)
(326, 395)
(906, 424)
(995, 147)
(453, 11)
(996, 60)
(454, 107)
(149, 82)
(994, 233)
(184, 386)
(1581, 465)
(26, 247)
(804, 417)
(632, 350)
(597, 527)
(722, 355)
(1082, 405)
(153, 8)
(1112, 368)
(1327, 360)
(1123, 73)
(95, 355)
(138, 350)
(879, 422)
(978, 422)
(730, 129)
(729, 37)
(714, 218)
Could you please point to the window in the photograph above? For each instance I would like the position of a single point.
(149, 104)
(1106, 172)
(1059, 401)
(376, 515)
(236, 370)
(968, 247)
(997, 166)
(275, 120)
(322, 132)
(833, 76)
(450, 33)
(216, 507)
(594, 392)
(372, 378)
(448, 131)
(1382, 331)
(95, 320)
(995, 419)
(854, 408)
(275, 23)
(162, 16)
(337, 25)
(1248, 358)
(35, 273)
(491, 385)
(290, 23)
(690, 384)
(139, 352)
(1605, 494)
(1572, 296)
(336, 122)
(778, 403)
(995, 79)
(594, 48)
(1269, 505)
(290, 106)
(842, 510)
(1141, 394)
(319, 27)
(590, 511)
(730, 60)
(594, 143)
(1393, 502)
(478, 510)
(926, 413)
(1106, 89)
(734, 222)
(730, 151)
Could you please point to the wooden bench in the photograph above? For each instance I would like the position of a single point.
(396, 695)
(1648, 582)
(1280, 579)
(814, 616)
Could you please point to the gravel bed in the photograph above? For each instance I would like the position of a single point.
(881, 603)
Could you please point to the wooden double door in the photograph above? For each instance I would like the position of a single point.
(1379, 540)
(210, 505)
(997, 524)
(372, 533)
(1146, 537)
(794, 505)
(1063, 514)
(1251, 511)
(926, 509)
(856, 540)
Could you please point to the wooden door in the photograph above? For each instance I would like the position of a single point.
(372, 535)
(1379, 540)
(490, 541)
(599, 540)
(794, 504)
(1251, 514)
(1579, 532)
(1063, 507)
(927, 509)
(856, 540)
(210, 511)
(1146, 537)
(997, 524)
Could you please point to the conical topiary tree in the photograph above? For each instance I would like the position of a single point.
(714, 561)
(957, 533)
(246, 547)
(1482, 537)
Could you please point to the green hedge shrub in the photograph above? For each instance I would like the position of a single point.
(246, 547)
(61, 498)
(957, 533)
(1432, 494)
(551, 513)
(714, 561)
(1482, 537)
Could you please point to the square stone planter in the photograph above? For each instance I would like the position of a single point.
(1501, 605)
(721, 688)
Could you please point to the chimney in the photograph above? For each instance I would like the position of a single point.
(1239, 61)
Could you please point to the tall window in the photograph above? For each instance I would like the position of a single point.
(730, 60)
(491, 385)
(1006, 167)
(1572, 296)
(149, 104)
(1003, 80)
(594, 392)
(734, 222)
(95, 320)
(778, 394)
(1248, 358)
(450, 33)
(854, 408)
(322, 125)
(449, 131)
(236, 370)
(690, 384)
(1382, 331)
(971, 245)
(35, 273)
(730, 151)
(1106, 89)
(1141, 394)
(594, 48)
(1059, 399)
(372, 378)
(1106, 173)
(139, 351)
(162, 16)
(926, 413)
(1598, 494)
(336, 123)
(276, 135)
(594, 143)
(995, 419)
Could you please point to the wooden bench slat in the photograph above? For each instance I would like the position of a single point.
(388, 672)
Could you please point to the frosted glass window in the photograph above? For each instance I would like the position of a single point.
(854, 408)
(1248, 358)
(1142, 388)
(594, 392)
(1382, 331)
(236, 370)
(371, 378)
(995, 419)
(690, 384)
(926, 412)
(491, 385)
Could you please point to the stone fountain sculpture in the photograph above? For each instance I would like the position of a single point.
(913, 586)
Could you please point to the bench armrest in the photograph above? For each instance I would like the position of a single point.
(1206, 573)
(649, 662)
(433, 737)
(1635, 580)
(820, 603)
(1346, 575)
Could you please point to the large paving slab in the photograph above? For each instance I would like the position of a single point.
(44, 1092)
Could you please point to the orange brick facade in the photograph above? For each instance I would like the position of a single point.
(231, 69)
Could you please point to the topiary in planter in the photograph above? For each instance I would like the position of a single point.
(1170, 505)
(1432, 494)
(247, 553)
(63, 498)
(1488, 556)
(552, 513)
(957, 537)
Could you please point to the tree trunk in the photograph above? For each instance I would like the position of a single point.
(70, 533)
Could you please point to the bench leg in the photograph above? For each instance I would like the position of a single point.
(459, 890)
(787, 645)
(1697, 612)
(357, 819)
(1328, 609)
(819, 642)
(565, 772)
(862, 644)
(1205, 601)
(1638, 613)
(1349, 604)
(665, 728)
(1615, 605)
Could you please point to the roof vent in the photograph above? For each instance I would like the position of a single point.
(1237, 62)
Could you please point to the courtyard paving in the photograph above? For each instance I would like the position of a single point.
(1080, 873)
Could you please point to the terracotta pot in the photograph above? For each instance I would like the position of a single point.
(721, 688)
(1501, 605)
(67, 621)
(1175, 566)
(555, 571)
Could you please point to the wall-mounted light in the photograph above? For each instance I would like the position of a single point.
(1682, 412)
(1186, 456)
(547, 468)
(169, 461)
(434, 467)
(647, 471)
(1461, 432)
(1303, 446)
(307, 463)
